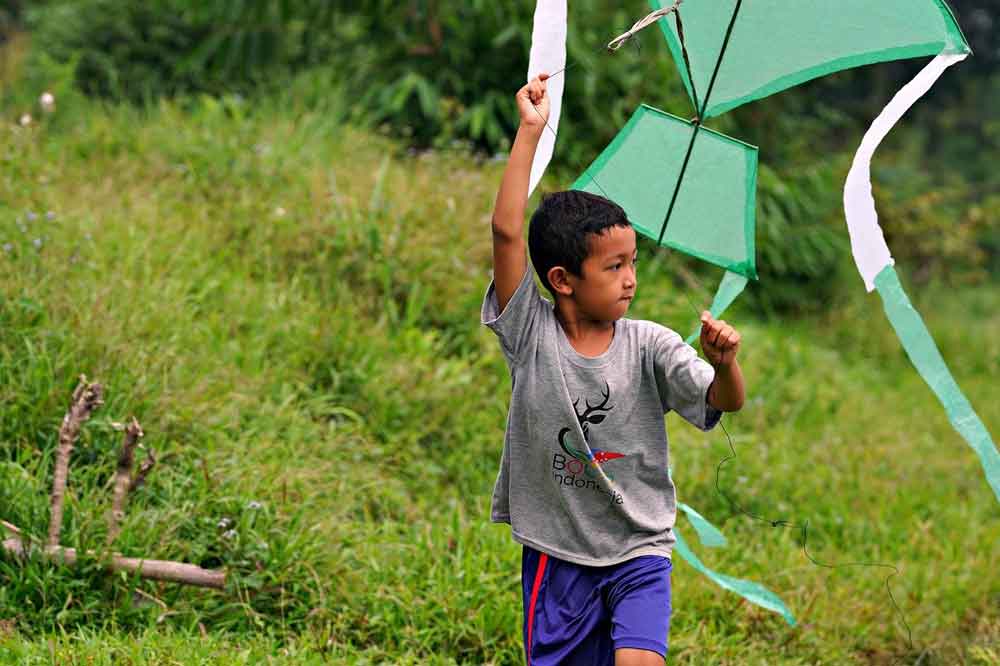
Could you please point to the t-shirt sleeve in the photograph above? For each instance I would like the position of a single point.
(683, 379)
(518, 322)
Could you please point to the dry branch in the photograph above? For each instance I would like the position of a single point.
(123, 478)
(175, 572)
(86, 398)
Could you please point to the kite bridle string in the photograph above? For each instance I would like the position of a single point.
(803, 527)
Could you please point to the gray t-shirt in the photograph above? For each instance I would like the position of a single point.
(583, 475)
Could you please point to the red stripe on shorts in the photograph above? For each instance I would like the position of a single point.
(534, 597)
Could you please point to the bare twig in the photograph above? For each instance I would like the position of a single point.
(145, 467)
(175, 572)
(123, 478)
(13, 529)
(150, 597)
(86, 398)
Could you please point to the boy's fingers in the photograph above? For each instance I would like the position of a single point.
(731, 343)
(721, 331)
(535, 91)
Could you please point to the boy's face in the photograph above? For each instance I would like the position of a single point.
(606, 284)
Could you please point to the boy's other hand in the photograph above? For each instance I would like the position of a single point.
(719, 340)
(533, 102)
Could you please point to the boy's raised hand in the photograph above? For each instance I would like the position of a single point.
(509, 252)
(719, 340)
(533, 102)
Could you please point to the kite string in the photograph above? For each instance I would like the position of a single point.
(803, 527)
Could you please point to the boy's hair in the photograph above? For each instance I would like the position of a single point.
(560, 230)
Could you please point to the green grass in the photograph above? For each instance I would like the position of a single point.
(289, 307)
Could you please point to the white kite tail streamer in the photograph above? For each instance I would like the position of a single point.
(871, 254)
(548, 54)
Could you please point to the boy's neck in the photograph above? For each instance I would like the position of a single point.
(589, 337)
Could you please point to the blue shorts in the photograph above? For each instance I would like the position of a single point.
(576, 614)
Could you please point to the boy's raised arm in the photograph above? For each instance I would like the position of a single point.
(509, 252)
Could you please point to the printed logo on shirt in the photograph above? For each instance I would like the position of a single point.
(578, 468)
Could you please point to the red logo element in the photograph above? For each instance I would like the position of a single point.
(601, 457)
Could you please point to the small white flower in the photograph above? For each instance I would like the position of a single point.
(48, 102)
(37, 243)
(231, 534)
(49, 215)
(224, 523)
(279, 211)
(31, 216)
(254, 505)
(8, 247)
(25, 120)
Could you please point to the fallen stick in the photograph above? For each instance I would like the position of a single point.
(174, 572)
(86, 398)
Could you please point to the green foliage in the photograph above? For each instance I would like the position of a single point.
(125, 50)
(141, 51)
(801, 245)
(411, 64)
(449, 71)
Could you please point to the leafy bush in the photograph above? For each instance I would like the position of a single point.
(801, 242)
(433, 72)
(449, 72)
(135, 50)
(124, 50)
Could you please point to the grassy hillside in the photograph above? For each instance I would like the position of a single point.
(290, 308)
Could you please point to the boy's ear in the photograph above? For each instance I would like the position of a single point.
(560, 279)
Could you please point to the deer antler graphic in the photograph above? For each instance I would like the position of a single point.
(591, 415)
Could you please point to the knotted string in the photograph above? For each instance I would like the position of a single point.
(644, 22)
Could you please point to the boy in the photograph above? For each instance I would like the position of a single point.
(583, 477)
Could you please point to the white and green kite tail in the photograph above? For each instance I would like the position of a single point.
(875, 264)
